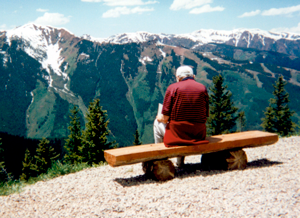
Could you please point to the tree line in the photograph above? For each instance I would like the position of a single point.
(87, 145)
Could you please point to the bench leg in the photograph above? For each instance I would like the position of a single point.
(234, 159)
(161, 170)
(180, 161)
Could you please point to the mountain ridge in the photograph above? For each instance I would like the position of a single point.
(203, 35)
(220, 35)
(246, 38)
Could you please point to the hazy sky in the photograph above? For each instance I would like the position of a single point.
(104, 18)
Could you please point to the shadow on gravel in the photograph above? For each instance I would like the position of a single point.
(262, 163)
(191, 170)
(136, 180)
(188, 170)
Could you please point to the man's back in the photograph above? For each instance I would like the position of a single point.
(184, 113)
(186, 100)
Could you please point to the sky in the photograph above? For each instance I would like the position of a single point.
(105, 18)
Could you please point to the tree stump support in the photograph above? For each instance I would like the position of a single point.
(160, 170)
(233, 159)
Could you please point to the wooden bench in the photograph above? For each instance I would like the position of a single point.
(221, 148)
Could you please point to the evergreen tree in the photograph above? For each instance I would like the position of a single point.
(95, 134)
(137, 138)
(222, 116)
(28, 166)
(2, 165)
(73, 144)
(241, 121)
(3, 173)
(45, 154)
(278, 114)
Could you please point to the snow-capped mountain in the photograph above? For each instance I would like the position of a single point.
(201, 36)
(44, 44)
(253, 38)
(43, 41)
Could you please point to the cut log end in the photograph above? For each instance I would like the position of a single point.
(238, 160)
(161, 170)
(235, 159)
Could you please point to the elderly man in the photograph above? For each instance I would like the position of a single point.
(184, 113)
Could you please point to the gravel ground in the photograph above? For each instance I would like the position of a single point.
(268, 187)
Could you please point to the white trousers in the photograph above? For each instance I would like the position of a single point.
(159, 130)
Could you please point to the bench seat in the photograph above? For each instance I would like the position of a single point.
(141, 153)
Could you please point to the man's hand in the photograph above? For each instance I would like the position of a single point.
(162, 118)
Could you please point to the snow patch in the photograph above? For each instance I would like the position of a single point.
(85, 55)
(32, 95)
(145, 59)
(263, 40)
(53, 59)
(5, 58)
(162, 53)
(160, 43)
(65, 87)
(249, 40)
(66, 67)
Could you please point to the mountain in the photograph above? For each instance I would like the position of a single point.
(45, 71)
(286, 43)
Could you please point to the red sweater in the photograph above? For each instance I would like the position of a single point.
(186, 103)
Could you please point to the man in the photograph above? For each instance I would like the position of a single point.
(184, 114)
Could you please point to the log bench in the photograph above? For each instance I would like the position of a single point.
(222, 152)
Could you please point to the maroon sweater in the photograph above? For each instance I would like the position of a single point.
(186, 103)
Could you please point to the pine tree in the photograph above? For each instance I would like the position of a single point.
(95, 134)
(137, 138)
(28, 166)
(241, 121)
(278, 114)
(3, 172)
(73, 144)
(222, 116)
(45, 154)
(2, 165)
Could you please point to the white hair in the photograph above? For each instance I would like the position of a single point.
(184, 71)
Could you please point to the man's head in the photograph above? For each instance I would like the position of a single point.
(184, 71)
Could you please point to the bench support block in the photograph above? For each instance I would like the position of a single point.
(161, 170)
(234, 159)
